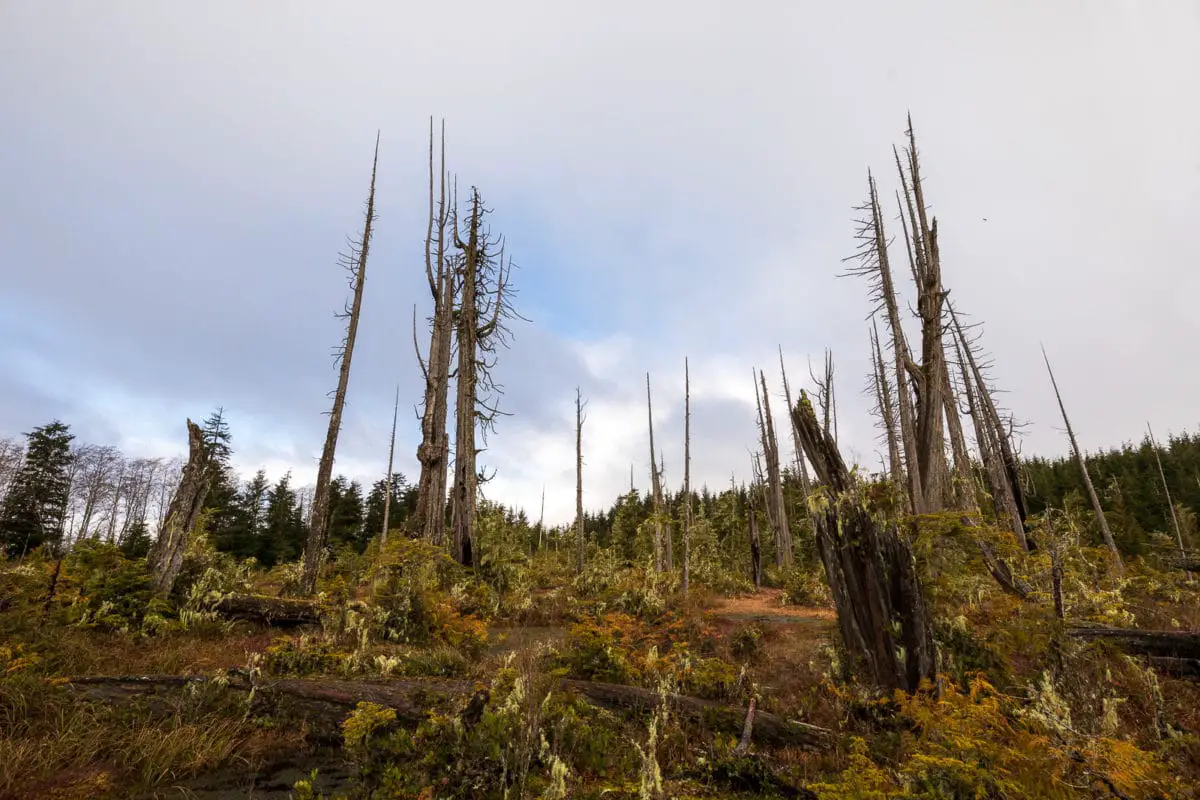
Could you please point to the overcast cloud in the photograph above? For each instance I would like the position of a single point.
(672, 178)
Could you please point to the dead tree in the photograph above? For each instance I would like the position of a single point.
(826, 400)
(801, 467)
(542, 519)
(166, 556)
(929, 376)
(773, 486)
(886, 409)
(355, 263)
(875, 266)
(882, 615)
(433, 453)
(1170, 505)
(687, 475)
(756, 567)
(1087, 478)
(579, 479)
(387, 481)
(993, 438)
(482, 310)
(660, 555)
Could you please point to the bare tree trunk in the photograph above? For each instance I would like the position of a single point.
(876, 267)
(542, 518)
(429, 518)
(881, 610)
(755, 544)
(887, 413)
(668, 524)
(801, 467)
(776, 508)
(995, 445)
(655, 489)
(1087, 478)
(964, 483)
(387, 481)
(826, 400)
(578, 480)
(355, 263)
(166, 556)
(928, 376)
(1167, 491)
(687, 475)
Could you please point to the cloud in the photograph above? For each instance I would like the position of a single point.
(672, 180)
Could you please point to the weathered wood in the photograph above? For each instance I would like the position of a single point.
(578, 481)
(433, 453)
(687, 477)
(279, 612)
(1013, 584)
(332, 699)
(166, 556)
(656, 496)
(1087, 478)
(885, 624)
(356, 264)
(387, 477)
(1164, 644)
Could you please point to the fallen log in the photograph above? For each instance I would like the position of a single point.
(1169, 644)
(1176, 653)
(279, 612)
(329, 700)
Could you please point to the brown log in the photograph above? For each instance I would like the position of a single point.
(279, 612)
(1164, 644)
(166, 556)
(330, 700)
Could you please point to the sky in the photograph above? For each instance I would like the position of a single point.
(673, 180)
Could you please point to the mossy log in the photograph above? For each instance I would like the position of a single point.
(1176, 653)
(279, 612)
(328, 701)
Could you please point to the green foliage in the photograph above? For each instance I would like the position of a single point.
(114, 593)
(31, 514)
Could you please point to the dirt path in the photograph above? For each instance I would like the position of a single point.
(766, 605)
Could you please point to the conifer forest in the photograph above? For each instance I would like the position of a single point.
(948, 616)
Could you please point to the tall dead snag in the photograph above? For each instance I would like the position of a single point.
(773, 486)
(579, 479)
(874, 265)
(756, 566)
(355, 264)
(387, 480)
(929, 379)
(884, 405)
(993, 438)
(656, 497)
(483, 307)
(801, 467)
(964, 481)
(166, 556)
(429, 517)
(826, 400)
(1170, 505)
(687, 474)
(884, 621)
(1087, 478)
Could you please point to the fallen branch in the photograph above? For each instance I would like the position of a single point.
(330, 700)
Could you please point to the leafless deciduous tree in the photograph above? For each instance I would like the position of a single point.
(166, 555)
(355, 263)
(885, 624)
(1101, 520)
(885, 407)
(481, 315)
(429, 518)
(12, 455)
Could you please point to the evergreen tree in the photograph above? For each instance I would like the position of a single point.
(346, 515)
(136, 542)
(33, 509)
(226, 525)
(404, 505)
(283, 529)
